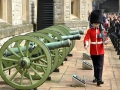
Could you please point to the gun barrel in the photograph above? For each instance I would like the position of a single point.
(71, 37)
(65, 43)
(76, 32)
(51, 46)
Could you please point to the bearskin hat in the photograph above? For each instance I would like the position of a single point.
(96, 16)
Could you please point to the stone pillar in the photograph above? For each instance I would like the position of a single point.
(58, 11)
(1, 9)
(88, 8)
(9, 11)
(35, 11)
(67, 10)
(4, 14)
(25, 10)
(6, 10)
(16, 12)
(85, 7)
(119, 6)
(82, 9)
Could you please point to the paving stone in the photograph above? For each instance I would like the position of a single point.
(69, 88)
(62, 80)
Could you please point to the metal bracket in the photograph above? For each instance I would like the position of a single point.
(77, 81)
(86, 56)
(86, 65)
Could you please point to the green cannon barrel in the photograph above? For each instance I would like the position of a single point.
(71, 37)
(51, 46)
(55, 45)
(76, 32)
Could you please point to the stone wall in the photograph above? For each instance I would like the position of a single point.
(16, 12)
(62, 15)
(7, 30)
(0, 9)
(67, 10)
(12, 24)
(58, 11)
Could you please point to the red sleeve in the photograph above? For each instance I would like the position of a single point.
(86, 38)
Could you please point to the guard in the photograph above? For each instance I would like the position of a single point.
(96, 45)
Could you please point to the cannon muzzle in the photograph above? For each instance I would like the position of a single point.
(77, 32)
(71, 37)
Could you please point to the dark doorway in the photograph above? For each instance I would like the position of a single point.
(44, 14)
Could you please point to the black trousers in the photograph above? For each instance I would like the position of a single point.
(98, 61)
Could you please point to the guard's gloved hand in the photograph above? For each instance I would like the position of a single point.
(105, 42)
(85, 46)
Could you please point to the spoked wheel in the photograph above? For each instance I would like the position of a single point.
(54, 53)
(62, 51)
(18, 56)
(66, 30)
(61, 34)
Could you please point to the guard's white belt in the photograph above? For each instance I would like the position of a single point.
(96, 42)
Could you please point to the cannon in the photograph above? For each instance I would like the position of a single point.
(64, 33)
(33, 57)
(64, 30)
(26, 61)
(63, 37)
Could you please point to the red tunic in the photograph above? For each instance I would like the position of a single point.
(96, 44)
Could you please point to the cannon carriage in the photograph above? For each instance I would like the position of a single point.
(26, 61)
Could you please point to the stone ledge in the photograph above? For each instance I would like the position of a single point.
(76, 25)
(15, 30)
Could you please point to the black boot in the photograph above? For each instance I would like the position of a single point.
(100, 82)
(95, 80)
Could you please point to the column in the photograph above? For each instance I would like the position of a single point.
(4, 14)
(25, 10)
(67, 10)
(0, 9)
(119, 6)
(9, 11)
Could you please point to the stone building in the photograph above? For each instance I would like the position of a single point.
(18, 16)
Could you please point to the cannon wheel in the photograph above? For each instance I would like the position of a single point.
(56, 36)
(60, 32)
(23, 61)
(54, 53)
(66, 30)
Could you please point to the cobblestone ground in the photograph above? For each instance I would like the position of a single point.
(62, 80)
